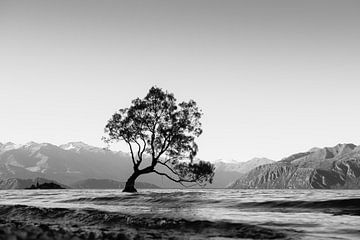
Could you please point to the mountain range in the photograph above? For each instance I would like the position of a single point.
(319, 168)
(78, 164)
(67, 163)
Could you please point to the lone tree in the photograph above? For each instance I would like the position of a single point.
(159, 129)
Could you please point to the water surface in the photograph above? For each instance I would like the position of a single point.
(306, 214)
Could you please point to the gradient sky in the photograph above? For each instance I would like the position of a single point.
(272, 77)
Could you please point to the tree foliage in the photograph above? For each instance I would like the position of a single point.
(159, 128)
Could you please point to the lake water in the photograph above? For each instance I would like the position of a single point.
(302, 214)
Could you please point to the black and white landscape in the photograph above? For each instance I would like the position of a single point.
(179, 119)
(80, 176)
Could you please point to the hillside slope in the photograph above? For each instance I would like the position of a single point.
(318, 168)
(226, 172)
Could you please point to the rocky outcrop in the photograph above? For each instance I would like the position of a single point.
(319, 168)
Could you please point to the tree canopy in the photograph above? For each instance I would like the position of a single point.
(159, 128)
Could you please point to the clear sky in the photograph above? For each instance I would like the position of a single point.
(272, 77)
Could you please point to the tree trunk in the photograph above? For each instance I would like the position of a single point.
(130, 183)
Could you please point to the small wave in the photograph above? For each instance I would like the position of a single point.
(111, 220)
(336, 206)
(158, 198)
(101, 199)
(337, 203)
(170, 200)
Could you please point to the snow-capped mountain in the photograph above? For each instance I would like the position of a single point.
(8, 146)
(66, 163)
(80, 146)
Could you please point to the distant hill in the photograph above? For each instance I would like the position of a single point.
(319, 168)
(16, 183)
(107, 184)
(226, 172)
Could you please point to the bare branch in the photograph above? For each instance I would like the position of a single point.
(132, 152)
(173, 179)
(144, 147)
(165, 146)
(138, 152)
(180, 181)
(168, 160)
(172, 170)
(152, 146)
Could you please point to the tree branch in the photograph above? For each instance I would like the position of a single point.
(148, 169)
(138, 153)
(172, 170)
(132, 153)
(144, 147)
(165, 146)
(173, 179)
(166, 161)
(153, 163)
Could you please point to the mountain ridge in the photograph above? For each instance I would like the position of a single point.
(328, 167)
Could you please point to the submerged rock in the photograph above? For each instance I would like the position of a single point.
(50, 185)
